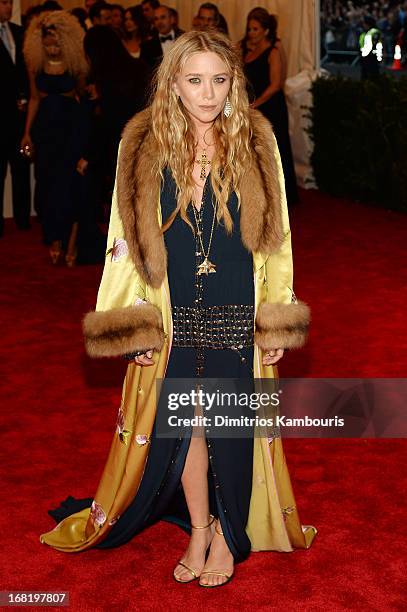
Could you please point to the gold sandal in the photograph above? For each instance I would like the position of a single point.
(216, 572)
(180, 562)
(55, 252)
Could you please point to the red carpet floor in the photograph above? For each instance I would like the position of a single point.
(59, 413)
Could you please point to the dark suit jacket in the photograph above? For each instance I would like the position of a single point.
(14, 76)
(151, 51)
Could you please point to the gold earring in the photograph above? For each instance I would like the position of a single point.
(227, 110)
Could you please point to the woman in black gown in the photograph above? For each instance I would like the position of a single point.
(210, 244)
(265, 71)
(56, 124)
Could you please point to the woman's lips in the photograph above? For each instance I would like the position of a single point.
(208, 108)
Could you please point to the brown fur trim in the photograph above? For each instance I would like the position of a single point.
(137, 196)
(138, 192)
(261, 215)
(119, 331)
(282, 325)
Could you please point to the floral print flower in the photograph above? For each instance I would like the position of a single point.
(142, 439)
(287, 510)
(124, 434)
(119, 249)
(97, 514)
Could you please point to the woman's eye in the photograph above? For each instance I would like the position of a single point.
(220, 80)
(194, 80)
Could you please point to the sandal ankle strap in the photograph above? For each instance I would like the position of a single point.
(204, 526)
(219, 531)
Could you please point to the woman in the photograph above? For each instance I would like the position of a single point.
(135, 28)
(265, 69)
(53, 50)
(121, 85)
(174, 298)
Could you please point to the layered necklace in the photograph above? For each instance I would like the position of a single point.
(206, 267)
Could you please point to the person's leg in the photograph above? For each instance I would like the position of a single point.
(3, 172)
(71, 250)
(20, 176)
(195, 484)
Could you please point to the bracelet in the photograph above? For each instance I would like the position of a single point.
(131, 356)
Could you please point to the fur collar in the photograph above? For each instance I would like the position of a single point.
(138, 193)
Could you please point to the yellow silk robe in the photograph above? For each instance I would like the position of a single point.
(273, 522)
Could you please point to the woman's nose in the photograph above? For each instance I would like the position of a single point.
(208, 92)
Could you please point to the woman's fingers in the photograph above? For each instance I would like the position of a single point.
(145, 359)
(272, 356)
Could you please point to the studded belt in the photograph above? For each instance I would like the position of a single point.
(215, 327)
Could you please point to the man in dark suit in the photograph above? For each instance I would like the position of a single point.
(152, 51)
(13, 105)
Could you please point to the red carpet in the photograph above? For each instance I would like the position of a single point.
(59, 413)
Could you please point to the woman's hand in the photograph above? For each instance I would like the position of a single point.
(92, 92)
(272, 356)
(82, 166)
(26, 145)
(145, 359)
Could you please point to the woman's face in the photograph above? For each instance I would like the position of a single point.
(51, 46)
(129, 24)
(203, 85)
(255, 31)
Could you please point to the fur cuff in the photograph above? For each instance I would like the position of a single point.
(282, 325)
(119, 331)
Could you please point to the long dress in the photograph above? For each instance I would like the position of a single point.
(275, 109)
(160, 495)
(57, 134)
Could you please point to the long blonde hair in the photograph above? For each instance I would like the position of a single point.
(174, 132)
(69, 35)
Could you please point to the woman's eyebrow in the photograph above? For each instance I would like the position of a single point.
(198, 74)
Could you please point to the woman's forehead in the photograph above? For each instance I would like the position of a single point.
(204, 62)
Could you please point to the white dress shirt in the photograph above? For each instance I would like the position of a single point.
(10, 39)
(166, 46)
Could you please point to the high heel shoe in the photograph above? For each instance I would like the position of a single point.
(70, 260)
(216, 572)
(55, 253)
(180, 562)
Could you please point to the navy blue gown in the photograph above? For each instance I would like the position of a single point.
(275, 109)
(160, 495)
(57, 133)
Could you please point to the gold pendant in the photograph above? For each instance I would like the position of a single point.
(203, 162)
(206, 267)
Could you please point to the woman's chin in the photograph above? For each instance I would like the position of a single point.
(206, 116)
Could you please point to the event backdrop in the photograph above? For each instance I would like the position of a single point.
(297, 29)
(296, 22)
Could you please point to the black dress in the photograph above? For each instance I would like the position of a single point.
(57, 134)
(160, 495)
(275, 109)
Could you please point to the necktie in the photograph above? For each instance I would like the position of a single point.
(165, 38)
(4, 38)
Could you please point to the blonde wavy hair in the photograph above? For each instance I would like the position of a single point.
(69, 35)
(174, 132)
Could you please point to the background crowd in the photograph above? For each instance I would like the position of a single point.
(342, 23)
(74, 79)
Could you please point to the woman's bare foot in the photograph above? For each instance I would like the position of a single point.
(194, 555)
(220, 559)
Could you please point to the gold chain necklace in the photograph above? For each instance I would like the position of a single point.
(206, 267)
(203, 162)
